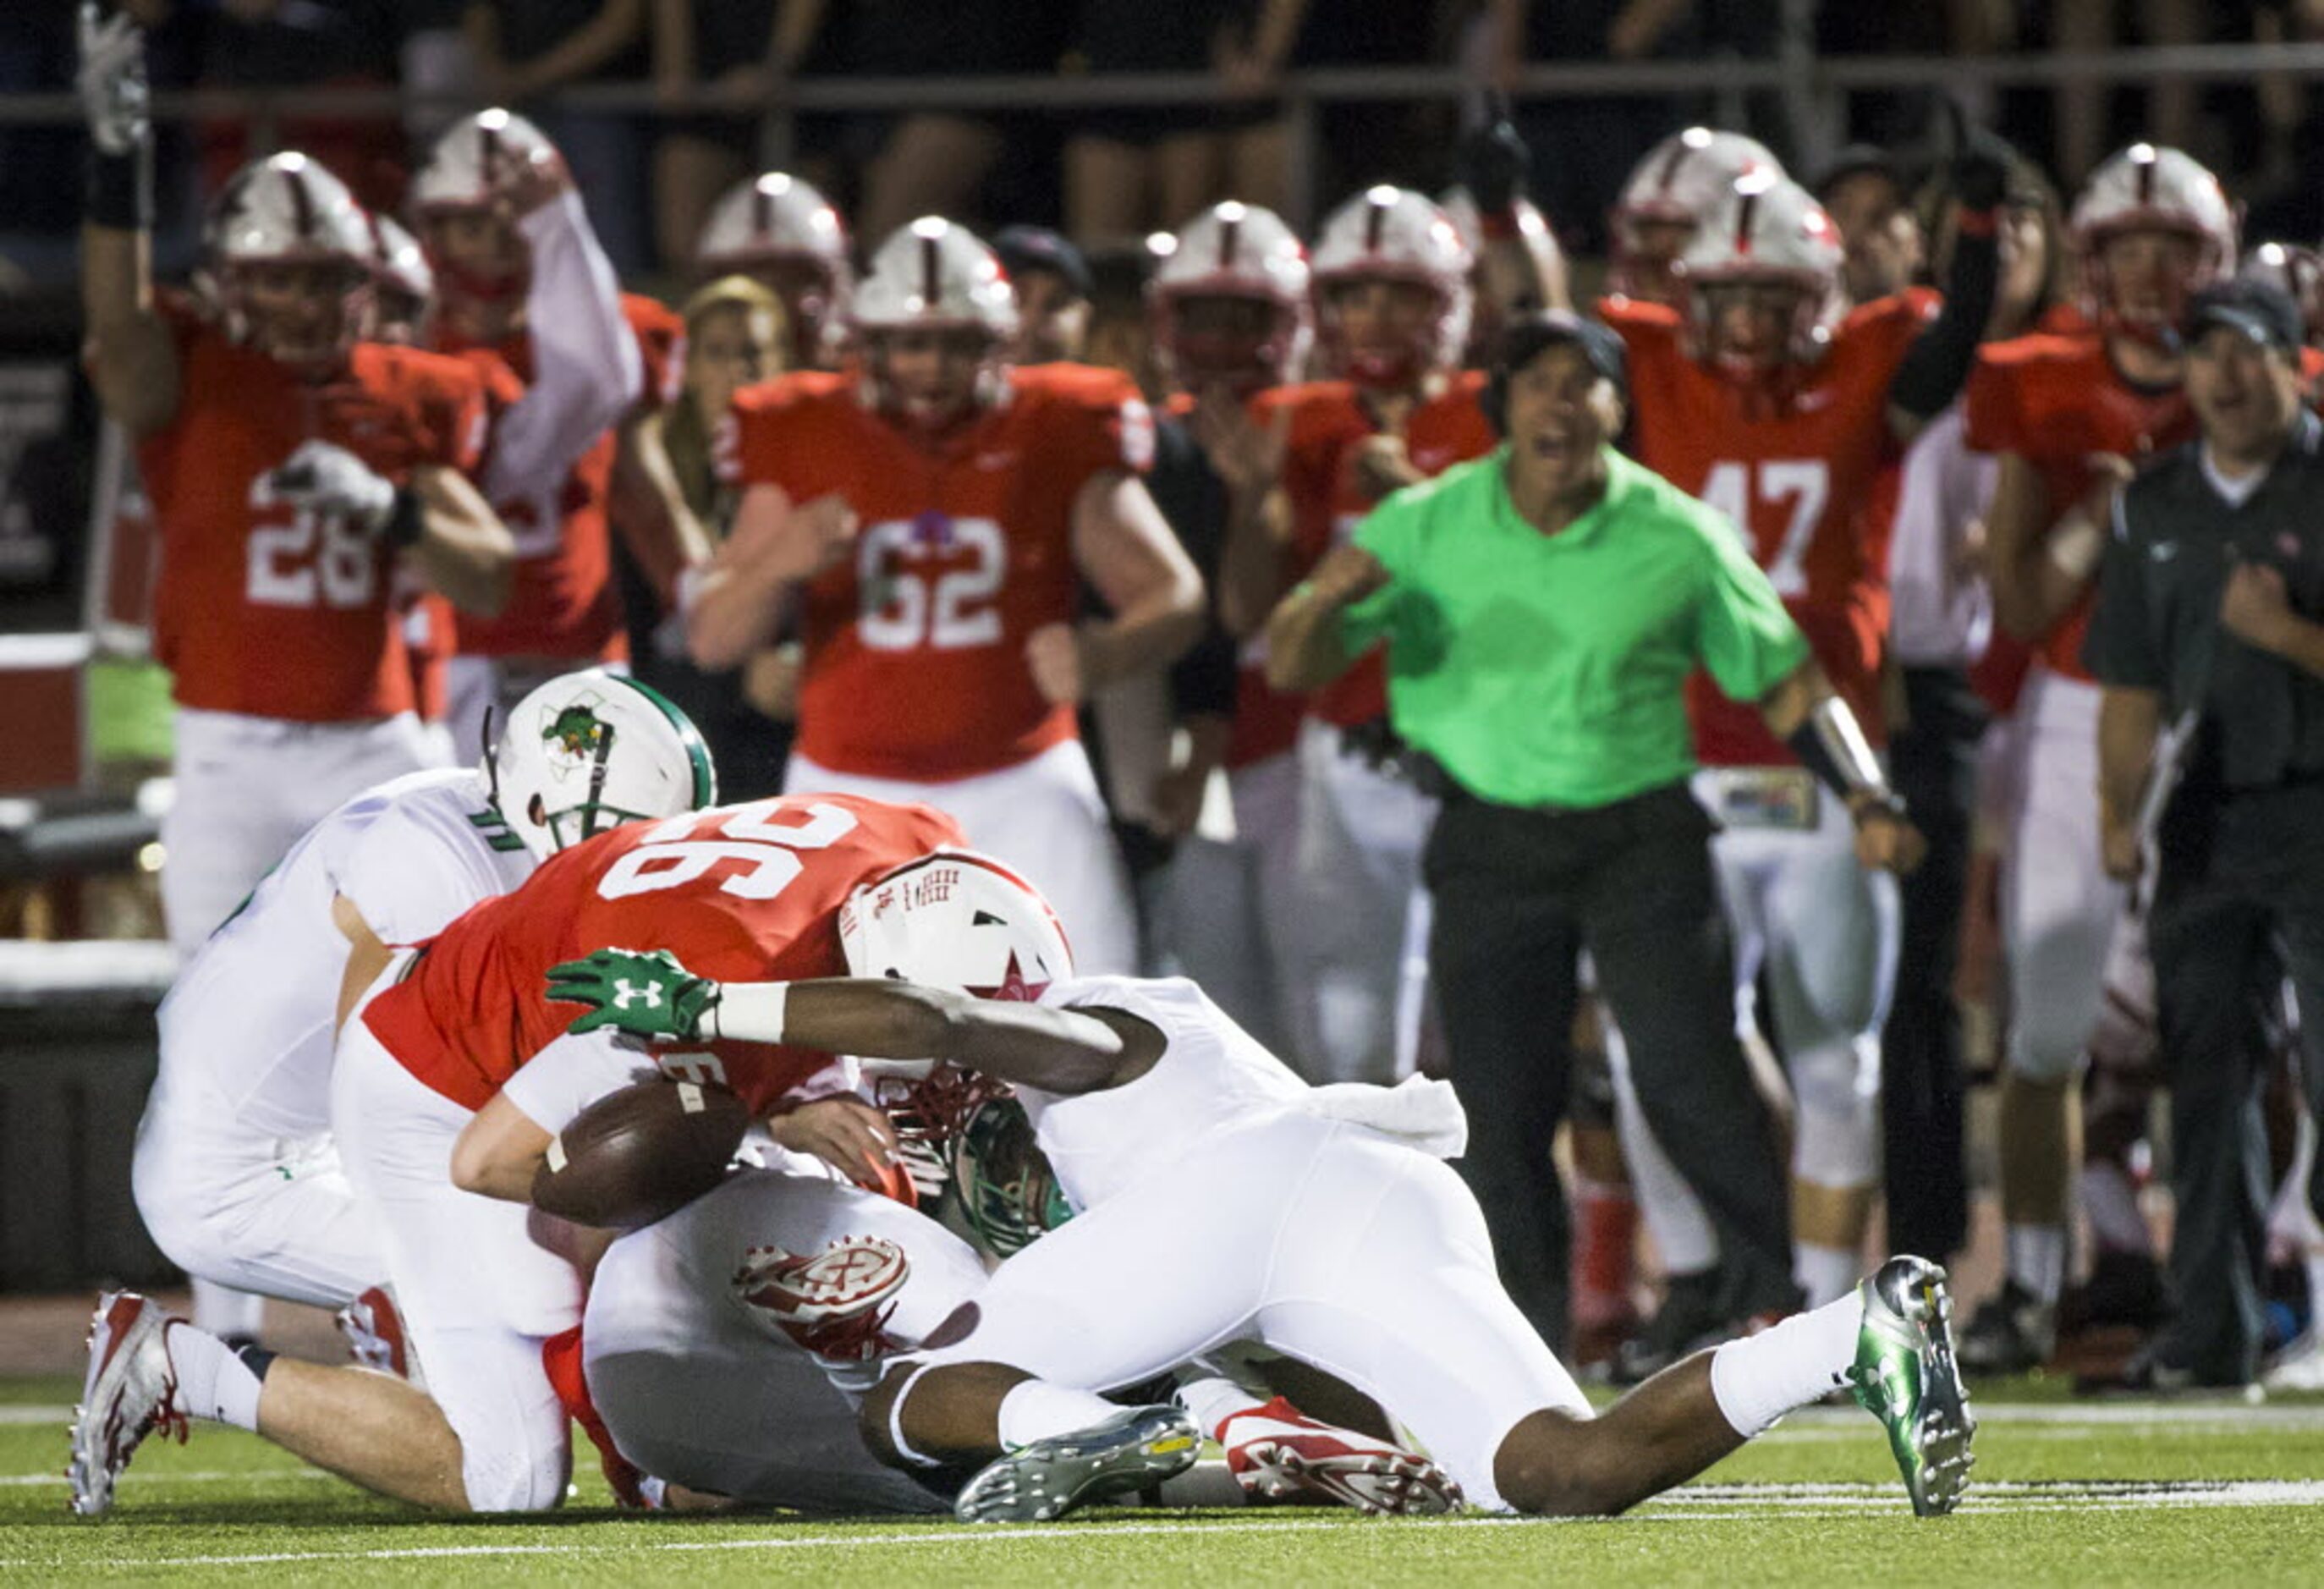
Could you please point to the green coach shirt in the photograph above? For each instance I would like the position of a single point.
(1550, 670)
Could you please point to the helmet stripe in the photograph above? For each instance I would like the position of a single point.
(1745, 214)
(302, 204)
(931, 274)
(697, 754)
(1375, 222)
(1230, 229)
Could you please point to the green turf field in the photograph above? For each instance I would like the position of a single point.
(2133, 1492)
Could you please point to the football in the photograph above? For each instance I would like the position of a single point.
(640, 1154)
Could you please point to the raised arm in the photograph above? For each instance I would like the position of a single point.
(132, 361)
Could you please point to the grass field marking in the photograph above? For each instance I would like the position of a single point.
(254, 1475)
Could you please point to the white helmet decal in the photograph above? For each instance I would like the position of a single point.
(957, 921)
(589, 751)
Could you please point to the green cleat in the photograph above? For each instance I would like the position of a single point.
(1905, 1376)
(1048, 1478)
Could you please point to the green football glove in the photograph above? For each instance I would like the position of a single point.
(646, 994)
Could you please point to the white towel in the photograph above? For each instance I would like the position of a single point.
(1420, 1112)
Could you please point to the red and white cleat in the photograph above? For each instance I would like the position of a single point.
(372, 1327)
(1278, 1453)
(833, 1303)
(130, 1390)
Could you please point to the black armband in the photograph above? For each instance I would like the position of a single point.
(406, 520)
(1830, 746)
(120, 189)
(1933, 371)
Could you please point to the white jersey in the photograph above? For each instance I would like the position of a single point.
(251, 1016)
(1211, 1075)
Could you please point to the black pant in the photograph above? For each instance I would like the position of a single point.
(1519, 894)
(1923, 1084)
(2241, 876)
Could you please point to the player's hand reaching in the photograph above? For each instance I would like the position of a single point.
(1886, 840)
(533, 181)
(1493, 164)
(324, 478)
(1053, 655)
(845, 1133)
(1381, 465)
(644, 994)
(1246, 455)
(111, 81)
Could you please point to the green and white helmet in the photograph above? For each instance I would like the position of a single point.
(588, 751)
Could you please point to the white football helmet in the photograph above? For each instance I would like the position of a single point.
(1676, 185)
(1765, 228)
(478, 164)
(287, 209)
(957, 921)
(589, 751)
(403, 287)
(776, 225)
(935, 276)
(1234, 250)
(2300, 272)
(1394, 234)
(2147, 189)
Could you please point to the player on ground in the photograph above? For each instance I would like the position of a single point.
(291, 470)
(1215, 1189)
(783, 233)
(936, 516)
(1762, 397)
(2070, 415)
(520, 276)
(455, 1056)
(235, 1174)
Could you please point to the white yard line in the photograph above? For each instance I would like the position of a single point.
(1707, 1502)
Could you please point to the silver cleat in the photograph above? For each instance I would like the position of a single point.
(1138, 1446)
(1905, 1375)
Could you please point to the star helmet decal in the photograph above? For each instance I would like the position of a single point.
(1013, 987)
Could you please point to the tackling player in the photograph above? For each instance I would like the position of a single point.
(1216, 1192)
(1764, 398)
(935, 517)
(235, 1173)
(2070, 414)
(453, 1055)
(291, 470)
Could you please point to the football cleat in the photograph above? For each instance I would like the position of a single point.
(1905, 1375)
(372, 1327)
(1132, 1450)
(1278, 1453)
(833, 1303)
(130, 1390)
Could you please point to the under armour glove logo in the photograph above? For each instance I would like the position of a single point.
(648, 996)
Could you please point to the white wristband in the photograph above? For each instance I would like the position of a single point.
(2077, 545)
(748, 1011)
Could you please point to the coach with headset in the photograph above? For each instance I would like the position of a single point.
(1542, 608)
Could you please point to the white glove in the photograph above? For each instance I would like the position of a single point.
(325, 478)
(111, 81)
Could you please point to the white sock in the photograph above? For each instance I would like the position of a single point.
(1211, 1399)
(1760, 1378)
(2314, 1261)
(224, 1311)
(2108, 1199)
(2037, 1259)
(212, 1381)
(1825, 1273)
(1036, 1410)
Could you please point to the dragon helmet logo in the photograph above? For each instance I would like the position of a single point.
(576, 736)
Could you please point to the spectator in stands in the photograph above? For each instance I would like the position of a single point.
(740, 51)
(1132, 169)
(527, 49)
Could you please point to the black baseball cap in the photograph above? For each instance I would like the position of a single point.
(1037, 248)
(1528, 337)
(2260, 310)
(1859, 159)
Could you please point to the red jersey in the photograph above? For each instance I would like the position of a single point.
(1802, 474)
(261, 608)
(563, 603)
(2053, 400)
(914, 664)
(742, 893)
(1328, 419)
